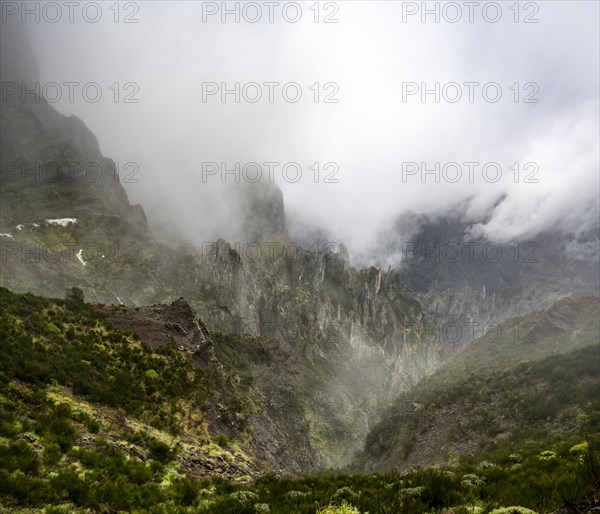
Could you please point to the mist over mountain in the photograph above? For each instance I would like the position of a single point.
(324, 318)
(255, 265)
(172, 131)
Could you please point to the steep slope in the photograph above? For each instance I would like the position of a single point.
(499, 395)
(52, 166)
(93, 419)
(69, 353)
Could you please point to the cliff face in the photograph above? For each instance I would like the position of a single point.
(52, 166)
(352, 340)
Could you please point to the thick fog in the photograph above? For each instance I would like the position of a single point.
(546, 119)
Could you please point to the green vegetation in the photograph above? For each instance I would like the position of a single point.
(93, 420)
(534, 402)
(67, 343)
(74, 294)
(91, 415)
(104, 479)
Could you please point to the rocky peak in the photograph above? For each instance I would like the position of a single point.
(262, 212)
(18, 63)
(46, 157)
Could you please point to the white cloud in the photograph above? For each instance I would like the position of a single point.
(369, 133)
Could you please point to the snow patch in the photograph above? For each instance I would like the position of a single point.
(7, 235)
(63, 222)
(80, 257)
(20, 227)
(120, 302)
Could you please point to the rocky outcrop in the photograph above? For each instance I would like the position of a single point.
(352, 339)
(161, 325)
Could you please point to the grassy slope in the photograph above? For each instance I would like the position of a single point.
(499, 395)
(78, 394)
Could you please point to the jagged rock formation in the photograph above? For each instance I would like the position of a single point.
(353, 339)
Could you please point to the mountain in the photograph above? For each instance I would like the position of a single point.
(467, 282)
(94, 419)
(209, 376)
(333, 321)
(500, 393)
(344, 341)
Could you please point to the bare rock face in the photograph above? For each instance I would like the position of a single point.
(346, 341)
(162, 325)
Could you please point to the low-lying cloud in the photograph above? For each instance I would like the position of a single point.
(379, 128)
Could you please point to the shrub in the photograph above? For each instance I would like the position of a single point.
(295, 495)
(151, 374)
(472, 480)
(222, 440)
(159, 451)
(243, 496)
(547, 455)
(579, 449)
(515, 458)
(344, 493)
(52, 328)
(344, 508)
(411, 492)
(19, 456)
(74, 294)
(186, 491)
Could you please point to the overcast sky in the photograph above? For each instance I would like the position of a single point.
(370, 55)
